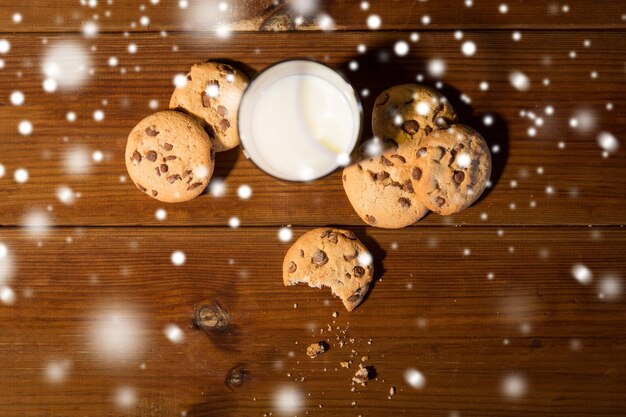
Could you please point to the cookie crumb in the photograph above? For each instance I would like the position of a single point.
(316, 349)
(345, 364)
(335, 314)
(392, 391)
(365, 358)
(361, 376)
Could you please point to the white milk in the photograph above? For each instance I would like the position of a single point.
(299, 120)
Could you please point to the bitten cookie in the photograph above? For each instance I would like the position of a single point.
(212, 94)
(452, 169)
(333, 258)
(169, 157)
(379, 184)
(410, 112)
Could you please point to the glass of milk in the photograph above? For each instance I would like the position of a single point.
(299, 120)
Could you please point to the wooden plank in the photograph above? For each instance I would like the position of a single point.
(587, 188)
(83, 295)
(247, 15)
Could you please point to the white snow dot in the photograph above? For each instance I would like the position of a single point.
(50, 85)
(212, 90)
(463, 160)
(484, 86)
(132, 48)
(503, 8)
(5, 46)
(469, 3)
(365, 5)
(608, 142)
(436, 67)
(180, 80)
(65, 195)
(361, 48)
(56, 371)
(178, 258)
(97, 156)
(2, 171)
(516, 36)
(17, 17)
(25, 127)
(20, 175)
(401, 48)
(514, 386)
(223, 6)
(183, 4)
(17, 98)
(468, 48)
(549, 190)
(70, 116)
(144, 20)
(364, 259)
(488, 120)
(549, 110)
(217, 187)
(374, 22)
(153, 104)
(610, 288)
(343, 158)
(423, 108)
(532, 131)
(113, 61)
(573, 122)
(582, 273)
(174, 333)
(160, 214)
(98, 115)
(519, 80)
(414, 378)
(7, 295)
(285, 234)
(353, 65)
(90, 28)
(125, 397)
(458, 35)
(244, 192)
(222, 31)
(415, 37)
(288, 400)
(425, 20)
(234, 222)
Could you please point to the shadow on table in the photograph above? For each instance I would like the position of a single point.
(380, 69)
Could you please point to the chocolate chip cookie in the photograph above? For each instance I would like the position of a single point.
(379, 184)
(169, 157)
(410, 112)
(333, 258)
(452, 169)
(212, 94)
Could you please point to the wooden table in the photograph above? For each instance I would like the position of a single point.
(513, 307)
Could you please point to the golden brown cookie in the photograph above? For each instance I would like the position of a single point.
(379, 184)
(410, 112)
(212, 94)
(452, 169)
(333, 258)
(169, 157)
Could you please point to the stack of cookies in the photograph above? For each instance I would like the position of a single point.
(170, 155)
(421, 160)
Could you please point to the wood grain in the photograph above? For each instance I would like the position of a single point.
(588, 189)
(252, 15)
(432, 308)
